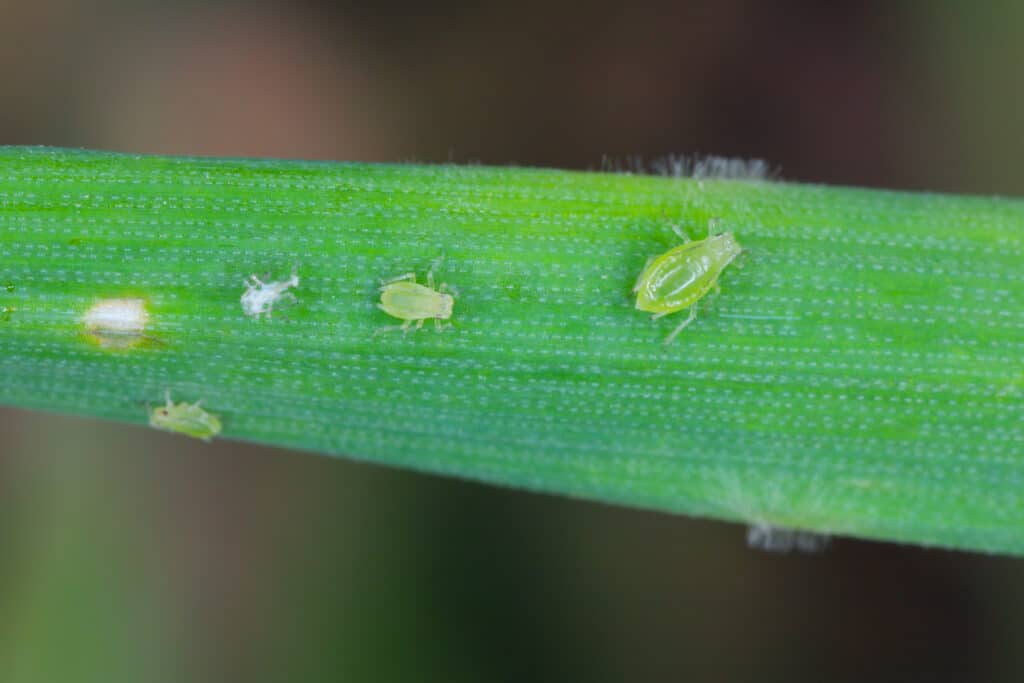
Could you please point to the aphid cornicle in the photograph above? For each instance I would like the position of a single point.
(184, 418)
(681, 276)
(403, 298)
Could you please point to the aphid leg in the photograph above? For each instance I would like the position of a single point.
(681, 233)
(682, 326)
(167, 397)
(419, 323)
(400, 278)
(433, 267)
(437, 325)
(716, 290)
(388, 328)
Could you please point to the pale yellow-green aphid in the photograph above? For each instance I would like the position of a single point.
(403, 298)
(681, 276)
(185, 418)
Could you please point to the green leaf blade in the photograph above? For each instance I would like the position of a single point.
(860, 374)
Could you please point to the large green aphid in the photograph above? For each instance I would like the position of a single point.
(681, 277)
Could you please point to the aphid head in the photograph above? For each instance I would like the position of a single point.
(724, 248)
(445, 309)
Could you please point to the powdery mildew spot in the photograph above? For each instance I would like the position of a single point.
(259, 297)
(698, 168)
(117, 323)
(782, 540)
(772, 508)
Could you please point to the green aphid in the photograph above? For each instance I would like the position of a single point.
(681, 276)
(185, 418)
(403, 298)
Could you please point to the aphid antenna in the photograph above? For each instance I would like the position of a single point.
(401, 278)
(680, 233)
(434, 266)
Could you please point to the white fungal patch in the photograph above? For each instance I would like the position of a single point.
(698, 168)
(259, 297)
(775, 539)
(117, 323)
(775, 510)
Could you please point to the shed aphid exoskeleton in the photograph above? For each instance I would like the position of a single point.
(403, 298)
(681, 276)
(259, 297)
(184, 418)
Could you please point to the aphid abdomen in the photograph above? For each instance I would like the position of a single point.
(410, 301)
(682, 276)
(680, 282)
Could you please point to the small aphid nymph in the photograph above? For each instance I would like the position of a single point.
(259, 297)
(185, 418)
(403, 298)
(681, 276)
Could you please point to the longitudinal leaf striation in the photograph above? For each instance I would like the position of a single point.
(859, 374)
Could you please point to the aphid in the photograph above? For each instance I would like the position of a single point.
(681, 276)
(403, 298)
(117, 323)
(259, 297)
(185, 418)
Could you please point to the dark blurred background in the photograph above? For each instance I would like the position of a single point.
(131, 555)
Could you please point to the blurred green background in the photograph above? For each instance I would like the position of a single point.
(132, 555)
